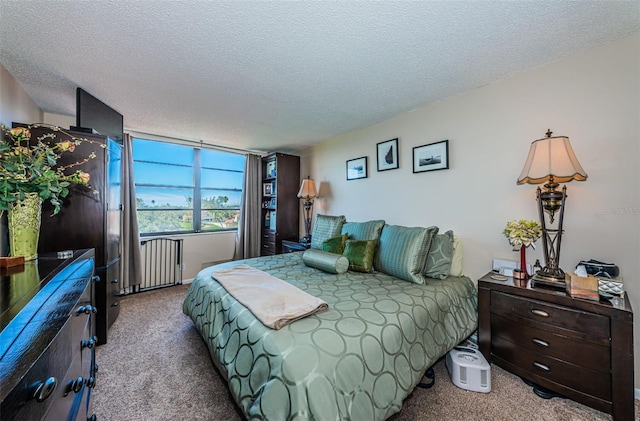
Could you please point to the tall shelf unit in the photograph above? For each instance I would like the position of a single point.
(280, 205)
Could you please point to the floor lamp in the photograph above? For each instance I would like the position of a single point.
(307, 193)
(551, 160)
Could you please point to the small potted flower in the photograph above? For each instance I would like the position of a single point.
(522, 234)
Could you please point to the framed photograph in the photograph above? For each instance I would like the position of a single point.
(388, 155)
(266, 189)
(357, 168)
(431, 157)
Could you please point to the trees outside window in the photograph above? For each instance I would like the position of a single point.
(181, 189)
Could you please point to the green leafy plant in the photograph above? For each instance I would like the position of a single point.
(522, 233)
(30, 166)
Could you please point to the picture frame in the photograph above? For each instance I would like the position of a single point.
(431, 157)
(357, 168)
(387, 155)
(266, 189)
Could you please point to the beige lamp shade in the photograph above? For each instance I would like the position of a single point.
(308, 189)
(551, 158)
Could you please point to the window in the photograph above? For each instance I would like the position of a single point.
(184, 189)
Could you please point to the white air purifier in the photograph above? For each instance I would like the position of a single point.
(469, 369)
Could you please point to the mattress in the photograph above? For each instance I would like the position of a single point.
(358, 360)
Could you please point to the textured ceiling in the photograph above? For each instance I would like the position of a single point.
(283, 75)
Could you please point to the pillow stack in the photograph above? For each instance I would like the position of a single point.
(413, 254)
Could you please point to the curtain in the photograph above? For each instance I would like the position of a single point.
(130, 260)
(248, 236)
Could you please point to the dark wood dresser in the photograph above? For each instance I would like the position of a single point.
(47, 359)
(576, 348)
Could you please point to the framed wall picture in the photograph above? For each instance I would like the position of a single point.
(431, 157)
(357, 168)
(388, 155)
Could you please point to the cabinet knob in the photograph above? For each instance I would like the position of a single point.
(74, 386)
(89, 343)
(86, 310)
(95, 278)
(115, 304)
(42, 390)
(114, 281)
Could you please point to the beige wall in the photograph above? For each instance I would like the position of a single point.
(15, 104)
(593, 98)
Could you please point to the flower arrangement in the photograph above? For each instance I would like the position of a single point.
(522, 233)
(28, 166)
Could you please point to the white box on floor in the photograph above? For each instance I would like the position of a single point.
(469, 369)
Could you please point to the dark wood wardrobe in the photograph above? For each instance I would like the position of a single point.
(90, 218)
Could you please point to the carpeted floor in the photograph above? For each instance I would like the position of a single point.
(156, 367)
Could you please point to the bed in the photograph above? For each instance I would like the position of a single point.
(358, 360)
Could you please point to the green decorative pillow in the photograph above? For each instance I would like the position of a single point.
(327, 262)
(335, 244)
(326, 227)
(403, 252)
(360, 254)
(440, 256)
(369, 230)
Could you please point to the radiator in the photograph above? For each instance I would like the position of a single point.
(161, 263)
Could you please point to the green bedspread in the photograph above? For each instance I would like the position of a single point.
(356, 361)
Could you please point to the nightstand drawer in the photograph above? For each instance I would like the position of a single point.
(579, 353)
(587, 381)
(557, 318)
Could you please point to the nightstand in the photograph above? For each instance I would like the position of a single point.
(289, 246)
(580, 349)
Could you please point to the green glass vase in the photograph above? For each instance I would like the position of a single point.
(24, 226)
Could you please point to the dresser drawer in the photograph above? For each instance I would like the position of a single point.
(579, 353)
(268, 249)
(550, 316)
(587, 381)
(268, 236)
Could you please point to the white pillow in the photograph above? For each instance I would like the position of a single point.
(456, 261)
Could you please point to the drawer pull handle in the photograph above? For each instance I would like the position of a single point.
(90, 343)
(540, 342)
(86, 310)
(540, 313)
(541, 366)
(44, 389)
(74, 386)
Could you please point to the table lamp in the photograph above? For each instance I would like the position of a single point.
(307, 193)
(552, 161)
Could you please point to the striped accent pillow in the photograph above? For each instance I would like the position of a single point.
(440, 256)
(403, 252)
(326, 227)
(369, 230)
